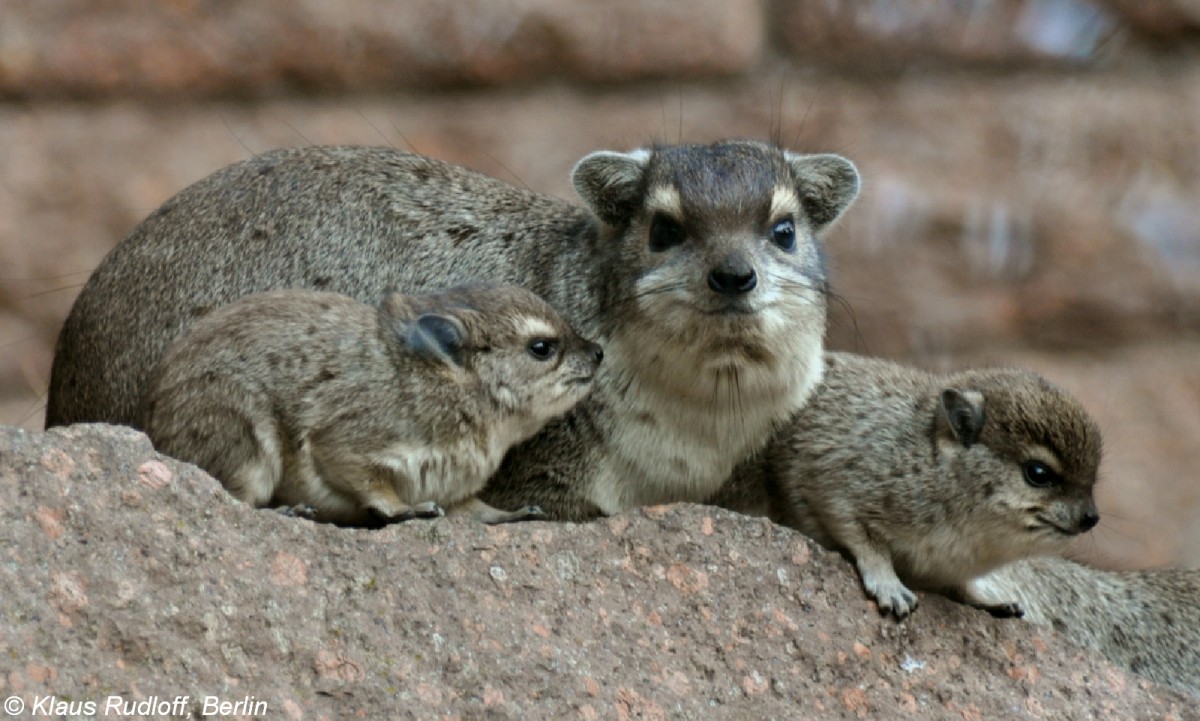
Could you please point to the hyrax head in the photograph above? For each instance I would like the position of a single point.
(1026, 452)
(715, 247)
(503, 341)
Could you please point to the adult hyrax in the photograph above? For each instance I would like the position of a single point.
(937, 479)
(1145, 621)
(364, 413)
(698, 268)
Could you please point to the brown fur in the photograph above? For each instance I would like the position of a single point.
(310, 399)
(1145, 621)
(697, 372)
(921, 475)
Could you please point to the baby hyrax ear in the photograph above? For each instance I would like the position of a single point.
(827, 185)
(611, 183)
(961, 412)
(440, 338)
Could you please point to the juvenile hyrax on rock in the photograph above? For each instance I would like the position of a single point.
(1145, 621)
(936, 479)
(698, 268)
(364, 413)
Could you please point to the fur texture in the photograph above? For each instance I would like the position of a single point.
(1145, 621)
(933, 479)
(309, 399)
(698, 268)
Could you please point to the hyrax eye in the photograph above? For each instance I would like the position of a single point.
(543, 349)
(784, 235)
(665, 232)
(1039, 475)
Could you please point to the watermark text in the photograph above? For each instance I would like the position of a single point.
(54, 706)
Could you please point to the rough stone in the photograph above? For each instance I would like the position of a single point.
(133, 576)
(885, 36)
(209, 47)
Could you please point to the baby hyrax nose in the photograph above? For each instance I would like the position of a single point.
(595, 353)
(1088, 520)
(734, 276)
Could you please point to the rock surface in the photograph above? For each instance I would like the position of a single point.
(874, 36)
(128, 575)
(210, 47)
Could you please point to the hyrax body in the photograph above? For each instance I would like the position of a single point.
(937, 479)
(697, 268)
(1145, 621)
(364, 413)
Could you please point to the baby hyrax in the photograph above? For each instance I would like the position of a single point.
(936, 479)
(364, 414)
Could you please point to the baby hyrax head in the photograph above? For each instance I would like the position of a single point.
(715, 253)
(1031, 453)
(507, 341)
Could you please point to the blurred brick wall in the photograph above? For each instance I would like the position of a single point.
(1030, 165)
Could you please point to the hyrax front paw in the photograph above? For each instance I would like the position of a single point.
(428, 509)
(892, 596)
(970, 594)
(300, 510)
(528, 513)
(490, 515)
(1002, 610)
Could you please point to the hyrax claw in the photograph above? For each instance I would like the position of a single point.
(1004, 610)
(428, 509)
(300, 510)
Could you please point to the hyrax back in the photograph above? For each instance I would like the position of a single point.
(698, 268)
(936, 479)
(362, 413)
(1145, 621)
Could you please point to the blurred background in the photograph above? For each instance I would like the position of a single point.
(1031, 167)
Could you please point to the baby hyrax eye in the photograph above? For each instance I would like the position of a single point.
(543, 349)
(783, 234)
(665, 232)
(1039, 475)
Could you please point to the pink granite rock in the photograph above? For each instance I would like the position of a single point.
(132, 577)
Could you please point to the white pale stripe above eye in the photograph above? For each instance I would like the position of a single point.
(784, 203)
(536, 328)
(664, 199)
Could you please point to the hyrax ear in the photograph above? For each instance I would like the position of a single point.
(827, 185)
(962, 414)
(611, 183)
(440, 338)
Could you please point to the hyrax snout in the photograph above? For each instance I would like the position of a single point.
(364, 414)
(936, 479)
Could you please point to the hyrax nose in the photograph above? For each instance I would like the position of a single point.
(595, 353)
(733, 277)
(1088, 520)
